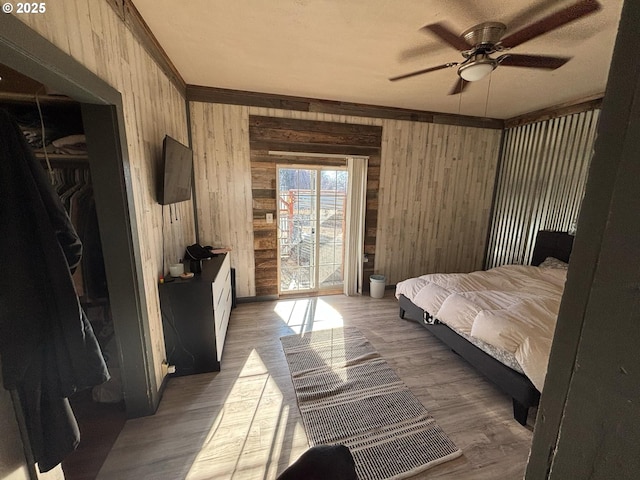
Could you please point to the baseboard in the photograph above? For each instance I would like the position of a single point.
(261, 298)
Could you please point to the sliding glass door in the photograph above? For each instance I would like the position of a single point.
(311, 225)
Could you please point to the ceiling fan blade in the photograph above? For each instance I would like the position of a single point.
(447, 36)
(532, 61)
(420, 72)
(551, 22)
(459, 86)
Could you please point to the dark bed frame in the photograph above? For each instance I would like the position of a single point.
(517, 386)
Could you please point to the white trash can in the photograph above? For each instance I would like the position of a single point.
(376, 286)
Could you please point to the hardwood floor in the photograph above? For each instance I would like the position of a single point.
(243, 422)
(100, 424)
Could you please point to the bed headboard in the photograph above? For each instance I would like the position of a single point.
(552, 244)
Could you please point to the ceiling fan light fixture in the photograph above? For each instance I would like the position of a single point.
(477, 70)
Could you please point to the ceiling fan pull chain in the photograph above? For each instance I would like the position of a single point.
(486, 102)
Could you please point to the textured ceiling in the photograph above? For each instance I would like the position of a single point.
(346, 50)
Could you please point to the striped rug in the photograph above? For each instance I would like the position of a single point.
(348, 394)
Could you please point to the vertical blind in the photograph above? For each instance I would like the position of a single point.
(541, 181)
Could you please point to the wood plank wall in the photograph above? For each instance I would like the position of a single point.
(541, 183)
(453, 166)
(98, 38)
(435, 198)
(293, 135)
(223, 185)
(223, 181)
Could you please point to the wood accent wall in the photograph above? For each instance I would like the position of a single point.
(436, 190)
(93, 34)
(583, 105)
(223, 181)
(450, 168)
(293, 135)
(541, 183)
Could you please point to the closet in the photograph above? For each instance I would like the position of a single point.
(53, 127)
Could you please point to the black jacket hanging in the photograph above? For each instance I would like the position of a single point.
(47, 347)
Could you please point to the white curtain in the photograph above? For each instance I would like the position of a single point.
(356, 207)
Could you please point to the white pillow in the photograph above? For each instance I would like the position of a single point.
(551, 262)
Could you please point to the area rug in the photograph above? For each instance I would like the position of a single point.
(348, 394)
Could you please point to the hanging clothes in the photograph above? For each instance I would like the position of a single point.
(73, 186)
(47, 346)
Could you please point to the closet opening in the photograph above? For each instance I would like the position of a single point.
(54, 129)
(102, 117)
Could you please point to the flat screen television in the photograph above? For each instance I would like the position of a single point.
(176, 171)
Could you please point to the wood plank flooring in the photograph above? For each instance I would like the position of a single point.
(243, 422)
(100, 424)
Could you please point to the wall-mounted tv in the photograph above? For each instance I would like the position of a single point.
(174, 184)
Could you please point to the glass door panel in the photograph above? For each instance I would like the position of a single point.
(332, 195)
(297, 218)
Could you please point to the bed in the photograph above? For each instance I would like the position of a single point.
(500, 320)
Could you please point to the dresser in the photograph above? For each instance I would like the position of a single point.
(195, 317)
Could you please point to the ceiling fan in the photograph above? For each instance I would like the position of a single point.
(479, 42)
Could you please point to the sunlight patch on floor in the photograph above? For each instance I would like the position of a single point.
(308, 314)
(312, 315)
(251, 424)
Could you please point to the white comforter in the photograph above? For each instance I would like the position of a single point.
(513, 307)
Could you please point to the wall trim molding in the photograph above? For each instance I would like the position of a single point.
(258, 298)
(131, 17)
(197, 93)
(593, 102)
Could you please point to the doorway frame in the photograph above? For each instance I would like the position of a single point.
(27, 52)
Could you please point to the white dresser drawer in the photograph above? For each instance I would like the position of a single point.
(222, 300)
(222, 281)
